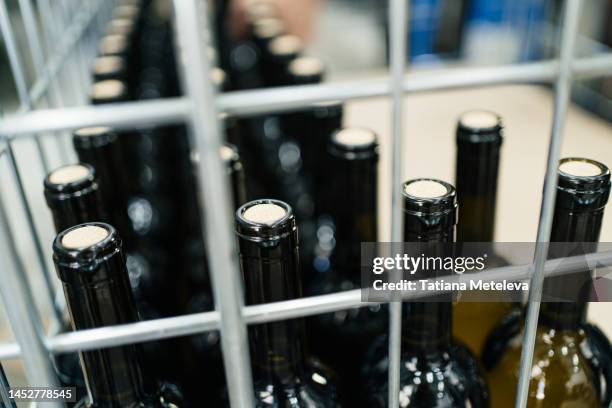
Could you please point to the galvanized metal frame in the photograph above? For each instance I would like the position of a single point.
(199, 109)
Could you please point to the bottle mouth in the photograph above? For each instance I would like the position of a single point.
(84, 237)
(113, 44)
(261, 9)
(354, 142)
(285, 45)
(70, 173)
(479, 126)
(80, 249)
(583, 175)
(120, 26)
(306, 67)
(265, 220)
(99, 136)
(108, 64)
(128, 11)
(92, 131)
(268, 27)
(70, 178)
(109, 90)
(218, 77)
(228, 153)
(428, 196)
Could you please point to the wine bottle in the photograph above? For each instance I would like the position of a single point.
(89, 261)
(564, 372)
(479, 140)
(435, 371)
(73, 196)
(350, 219)
(99, 147)
(283, 374)
(195, 253)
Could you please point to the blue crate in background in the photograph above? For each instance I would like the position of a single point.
(481, 31)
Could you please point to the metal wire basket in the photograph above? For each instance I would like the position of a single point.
(71, 29)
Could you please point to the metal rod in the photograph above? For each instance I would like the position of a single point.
(36, 51)
(4, 391)
(398, 34)
(61, 16)
(190, 22)
(262, 101)
(562, 98)
(54, 96)
(40, 253)
(17, 65)
(66, 42)
(197, 323)
(243, 103)
(21, 312)
(120, 115)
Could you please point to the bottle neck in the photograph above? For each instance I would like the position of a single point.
(353, 209)
(77, 209)
(427, 326)
(277, 349)
(570, 226)
(114, 375)
(476, 181)
(106, 155)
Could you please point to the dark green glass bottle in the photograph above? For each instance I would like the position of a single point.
(479, 140)
(73, 196)
(89, 261)
(567, 363)
(435, 371)
(284, 375)
(342, 337)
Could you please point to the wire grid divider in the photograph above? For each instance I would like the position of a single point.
(200, 104)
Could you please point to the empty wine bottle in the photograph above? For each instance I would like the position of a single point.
(205, 348)
(100, 148)
(89, 261)
(73, 196)
(194, 251)
(269, 260)
(566, 370)
(342, 337)
(479, 140)
(435, 371)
